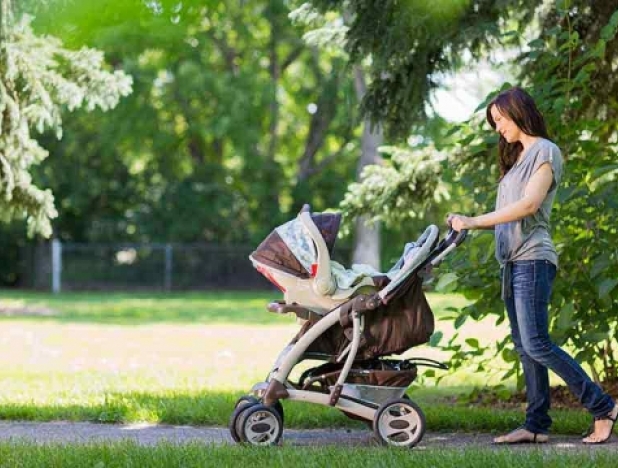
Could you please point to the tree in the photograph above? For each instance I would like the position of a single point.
(38, 77)
(564, 68)
(234, 122)
(568, 68)
(367, 234)
(367, 239)
(410, 43)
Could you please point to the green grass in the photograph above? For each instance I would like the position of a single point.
(214, 409)
(183, 359)
(127, 454)
(193, 307)
(139, 308)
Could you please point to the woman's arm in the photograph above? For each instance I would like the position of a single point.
(534, 194)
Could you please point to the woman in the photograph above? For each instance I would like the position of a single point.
(530, 171)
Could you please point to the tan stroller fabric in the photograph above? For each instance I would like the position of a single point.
(406, 321)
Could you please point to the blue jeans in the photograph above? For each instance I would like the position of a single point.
(526, 305)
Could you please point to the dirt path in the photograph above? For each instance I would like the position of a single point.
(146, 434)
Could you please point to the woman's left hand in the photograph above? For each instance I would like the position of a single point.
(460, 222)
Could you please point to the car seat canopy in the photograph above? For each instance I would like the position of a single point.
(290, 248)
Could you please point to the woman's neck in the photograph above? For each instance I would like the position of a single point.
(527, 141)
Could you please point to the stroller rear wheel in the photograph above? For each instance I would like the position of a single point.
(399, 423)
(260, 425)
(368, 422)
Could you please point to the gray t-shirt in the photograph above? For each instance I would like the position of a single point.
(528, 238)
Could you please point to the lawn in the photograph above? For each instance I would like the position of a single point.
(237, 307)
(224, 307)
(196, 455)
(184, 359)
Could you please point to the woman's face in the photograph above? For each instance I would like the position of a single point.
(505, 126)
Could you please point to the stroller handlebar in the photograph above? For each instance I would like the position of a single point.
(455, 237)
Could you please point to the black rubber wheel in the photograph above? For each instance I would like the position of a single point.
(243, 403)
(368, 422)
(278, 407)
(260, 425)
(399, 423)
(250, 399)
(246, 399)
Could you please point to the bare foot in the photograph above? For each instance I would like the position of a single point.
(521, 436)
(602, 428)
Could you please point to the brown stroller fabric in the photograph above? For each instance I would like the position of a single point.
(274, 252)
(406, 321)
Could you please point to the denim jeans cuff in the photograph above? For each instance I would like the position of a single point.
(606, 409)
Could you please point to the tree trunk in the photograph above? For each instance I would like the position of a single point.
(5, 18)
(367, 237)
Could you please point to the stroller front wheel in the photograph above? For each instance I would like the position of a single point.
(242, 404)
(249, 400)
(399, 423)
(246, 400)
(260, 425)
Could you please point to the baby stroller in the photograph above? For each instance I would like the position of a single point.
(353, 320)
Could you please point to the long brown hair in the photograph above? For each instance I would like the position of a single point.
(517, 105)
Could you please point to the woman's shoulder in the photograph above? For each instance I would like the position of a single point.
(548, 145)
(548, 151)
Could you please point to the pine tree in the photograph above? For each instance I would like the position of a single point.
(39, 78)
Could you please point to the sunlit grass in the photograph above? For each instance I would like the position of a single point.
(138, 308)
(96, 360)
(165, 455)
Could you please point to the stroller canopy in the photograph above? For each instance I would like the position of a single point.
(289, 247)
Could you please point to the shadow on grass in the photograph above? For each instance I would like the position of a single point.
(215, 408)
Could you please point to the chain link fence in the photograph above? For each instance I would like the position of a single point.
(132, 267)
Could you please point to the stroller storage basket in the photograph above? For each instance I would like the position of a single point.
(376, 372)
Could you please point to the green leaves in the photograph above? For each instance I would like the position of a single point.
(398, 190)
(565, 317)
(609, 30)
(607, 286)
(408, 44)
(536, 43)
(569, 73)
(435, 339)
(473, 342)
(509, 355)
(460, 320)
(447, 282)
(38, 78)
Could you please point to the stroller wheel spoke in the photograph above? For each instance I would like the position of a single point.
(412, 420)
(261, 425)
(399, 423)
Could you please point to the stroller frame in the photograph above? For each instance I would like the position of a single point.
(396, 420)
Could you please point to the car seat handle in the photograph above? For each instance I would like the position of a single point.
(323, 283)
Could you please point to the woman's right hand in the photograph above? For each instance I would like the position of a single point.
(459, 222)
